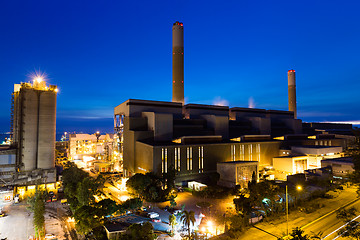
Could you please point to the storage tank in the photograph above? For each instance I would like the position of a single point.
(47, 128)
(29, 127)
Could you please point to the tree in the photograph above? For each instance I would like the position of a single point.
(72, 175)
(37, 206)
(132, 204)
(354, 152)
(151, 187)
(351, 228)
(188, 218)
(139, 232)
(297, 234)
(237, 223)
(172, 221)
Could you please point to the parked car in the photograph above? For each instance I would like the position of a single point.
(153, 215)
(50, 236)
(155, 220)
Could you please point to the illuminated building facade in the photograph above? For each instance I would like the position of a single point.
(193, 138)
(85, 149)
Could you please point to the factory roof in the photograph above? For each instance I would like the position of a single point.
(238, 162)
(341, 159)
(170, 143)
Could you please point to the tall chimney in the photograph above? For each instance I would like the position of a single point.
(292, 92)
(178, 62)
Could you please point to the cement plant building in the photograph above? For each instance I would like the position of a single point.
(31, 157)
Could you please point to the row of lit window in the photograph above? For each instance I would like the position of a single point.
(242, 152)
(177, 158)
(323, 143)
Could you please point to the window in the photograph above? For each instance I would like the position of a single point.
(233, 151)
(177, 159)
(242, 152)
(250, 152)
(189, 158)
(164, 160)
(201, 159)
(258, 152)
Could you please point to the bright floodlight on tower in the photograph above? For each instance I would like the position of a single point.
(38, 79)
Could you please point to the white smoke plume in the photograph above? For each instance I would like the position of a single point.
(251, 102)
(220, 101)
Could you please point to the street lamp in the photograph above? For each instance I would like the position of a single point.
(299, 188)
(97, 134)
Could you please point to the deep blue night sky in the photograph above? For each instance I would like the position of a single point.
(101, 53)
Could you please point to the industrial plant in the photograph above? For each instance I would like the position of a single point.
(201, 140)
(30, 158)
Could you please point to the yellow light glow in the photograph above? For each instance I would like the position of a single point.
(299, 188)
(21, 192)
(124, 198)
(32, 187)
(56, 90)
(38, 79)
(279, 138)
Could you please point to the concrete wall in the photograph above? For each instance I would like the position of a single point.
(135, 107)
(339, 168)
(161, 124)
(145, 160)
(196, 110)
(220, 124)
(227, 174)
(283, 164)
(316, 150)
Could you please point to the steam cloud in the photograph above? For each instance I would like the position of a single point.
(220, 101)
(251, 102)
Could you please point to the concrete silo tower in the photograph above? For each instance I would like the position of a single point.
(178, 62)
(34, 125)
(292, 92)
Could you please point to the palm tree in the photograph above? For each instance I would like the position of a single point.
(188, 218)
(172, 221)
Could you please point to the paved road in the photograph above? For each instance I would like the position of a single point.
(329, 223)
(277, 227)
(17, 225)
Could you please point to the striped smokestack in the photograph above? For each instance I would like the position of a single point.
(292, 92)
(178, 62)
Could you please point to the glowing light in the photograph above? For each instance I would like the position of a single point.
(299, 188)
(56, 90)
(123, 198)
(38, 76)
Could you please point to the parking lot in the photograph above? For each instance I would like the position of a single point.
(17, 224)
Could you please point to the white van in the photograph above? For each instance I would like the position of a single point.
(153, 215)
